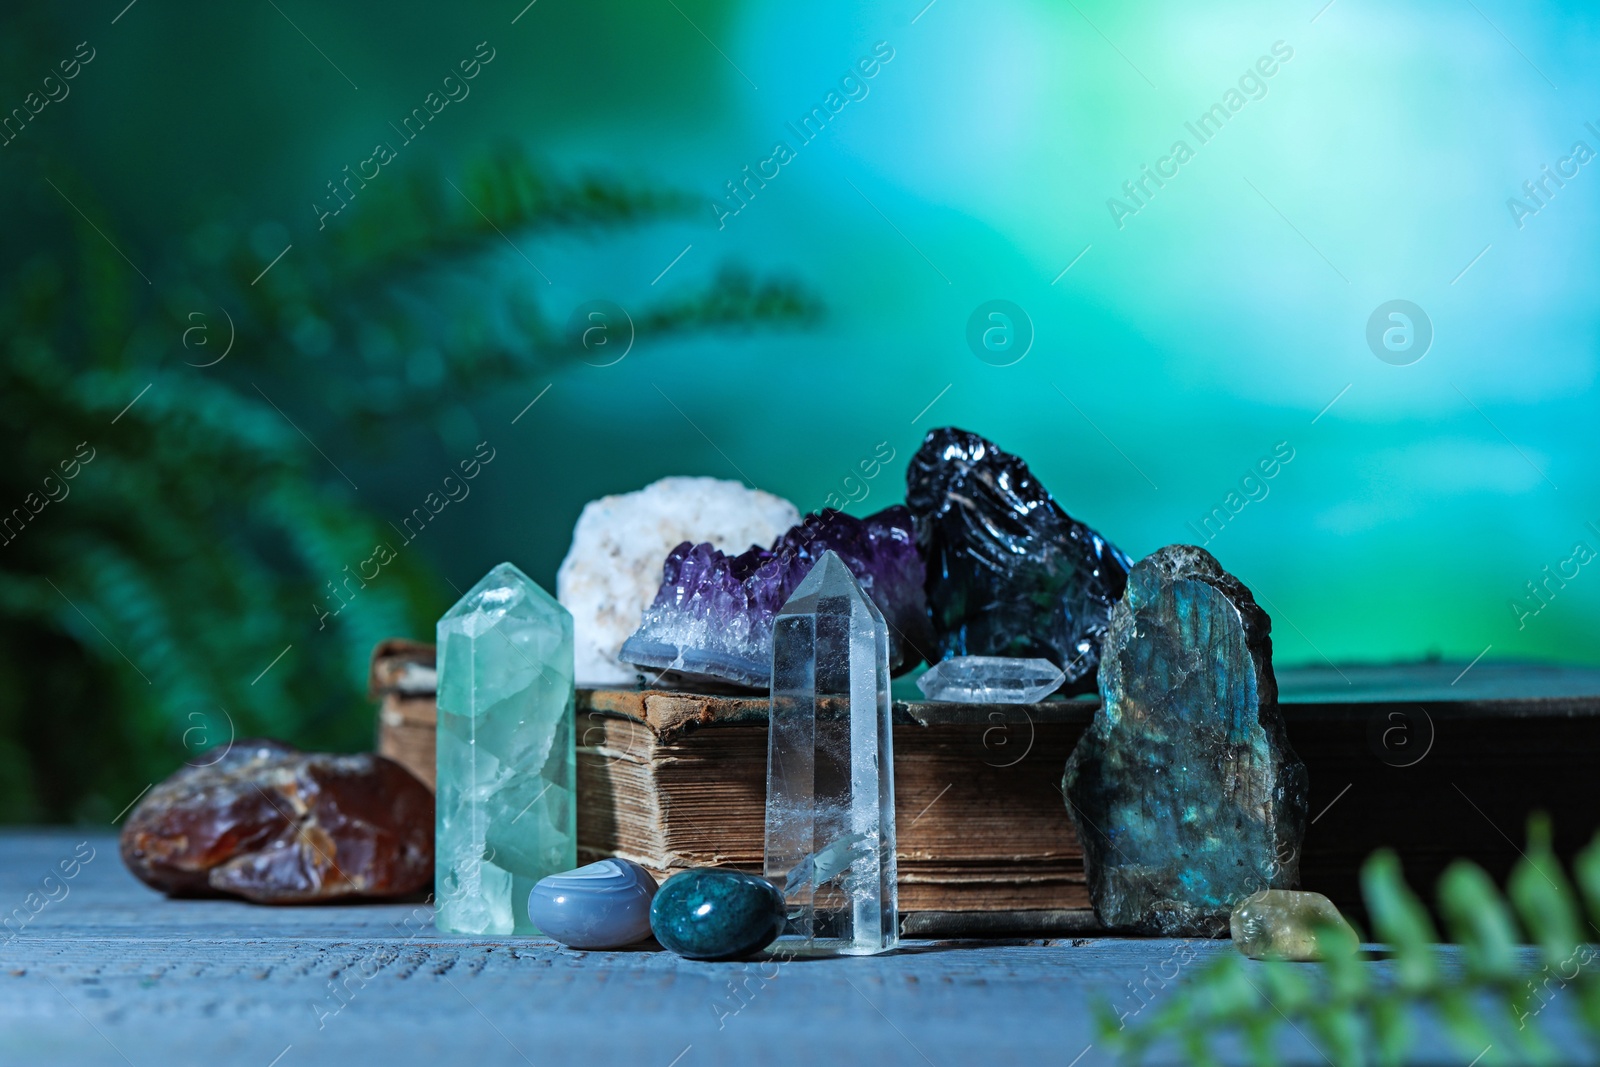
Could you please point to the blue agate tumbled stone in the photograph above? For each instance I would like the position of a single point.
(713, 914)
(1184, 790)
(603, 905)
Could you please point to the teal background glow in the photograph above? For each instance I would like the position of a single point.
(1226, 319)
(1195, 338)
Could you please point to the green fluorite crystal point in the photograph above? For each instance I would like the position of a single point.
(507, 762)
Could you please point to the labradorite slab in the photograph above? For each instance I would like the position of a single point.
(712, 914)
(1184, 790)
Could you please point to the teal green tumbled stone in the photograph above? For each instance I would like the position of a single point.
(712, 914)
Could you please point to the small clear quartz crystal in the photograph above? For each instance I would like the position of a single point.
(830, 840)
(506, 811)
(991, 680)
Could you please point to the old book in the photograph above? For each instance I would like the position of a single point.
(403, 681)
(1420, 758)
(673, 781)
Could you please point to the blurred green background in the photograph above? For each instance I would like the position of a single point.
(169, 199)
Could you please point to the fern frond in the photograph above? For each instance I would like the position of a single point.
(188, 569)
(1358, 1009)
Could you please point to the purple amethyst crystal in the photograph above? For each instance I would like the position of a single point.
(712, 617)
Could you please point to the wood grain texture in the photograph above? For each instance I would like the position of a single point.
(110, 974)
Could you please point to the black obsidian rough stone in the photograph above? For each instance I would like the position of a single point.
(1009, 573)
(1184, 790)
(714, 914)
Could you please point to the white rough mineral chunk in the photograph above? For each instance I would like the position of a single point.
(613, 569)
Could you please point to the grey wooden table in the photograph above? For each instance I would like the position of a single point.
(109, 972)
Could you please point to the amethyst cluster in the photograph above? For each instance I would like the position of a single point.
(712, 618)
(983, 562)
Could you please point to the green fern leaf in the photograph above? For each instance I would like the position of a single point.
(1479, 921)
(1399, 919)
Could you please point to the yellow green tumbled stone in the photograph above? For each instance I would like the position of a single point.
(1286, 924)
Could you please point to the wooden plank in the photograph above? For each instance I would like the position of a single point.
(112, 969)
(111, 974)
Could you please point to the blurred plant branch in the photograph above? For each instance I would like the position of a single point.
(187, 554)
(1356, 1011)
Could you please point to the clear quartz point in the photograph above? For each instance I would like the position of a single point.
(506, 811)
(991, 680)
(830, 768)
